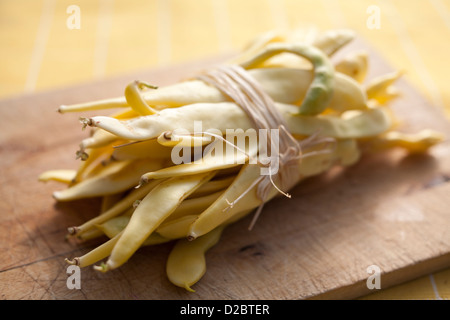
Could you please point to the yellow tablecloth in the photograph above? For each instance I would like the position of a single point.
(43, 47)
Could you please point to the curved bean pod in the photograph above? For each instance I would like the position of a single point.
(331, 41)
(354, 65)
(135, 99)
(321, 89)
(378, 88)
(65, 176)
(289, 86)
(186, 262)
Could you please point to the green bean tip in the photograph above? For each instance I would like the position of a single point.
(103, 267)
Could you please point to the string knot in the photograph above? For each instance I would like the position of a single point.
(235, 82)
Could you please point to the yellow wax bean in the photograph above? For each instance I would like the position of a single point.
(114, 226)
(361, 124)
(176, 228)
(321, 89)
(257, 44)
(100, 138)
(172, 139)
(345, 152)
(109, 103)
(90, 234)
(228, 115)
(354, 65)
(212, 186)
(150, 149)
(186, 263)
(95, 255)
(94, 151)
(289, 86)
(120, 207)
(135, 99)
(221, 210)
(418, 142)
(63, 175)
(331, 41)
(110, 200)
(125, 176)
(151, 212)
(93, 158)
(194, 205)
(150, 127)
(378, 87)
(125, 114)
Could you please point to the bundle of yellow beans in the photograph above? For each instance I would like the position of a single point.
(160, 184)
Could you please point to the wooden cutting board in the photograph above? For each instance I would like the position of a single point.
(390, 210)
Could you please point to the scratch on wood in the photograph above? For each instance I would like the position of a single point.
(440, 179)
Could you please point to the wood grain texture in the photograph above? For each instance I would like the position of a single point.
(389, 210)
